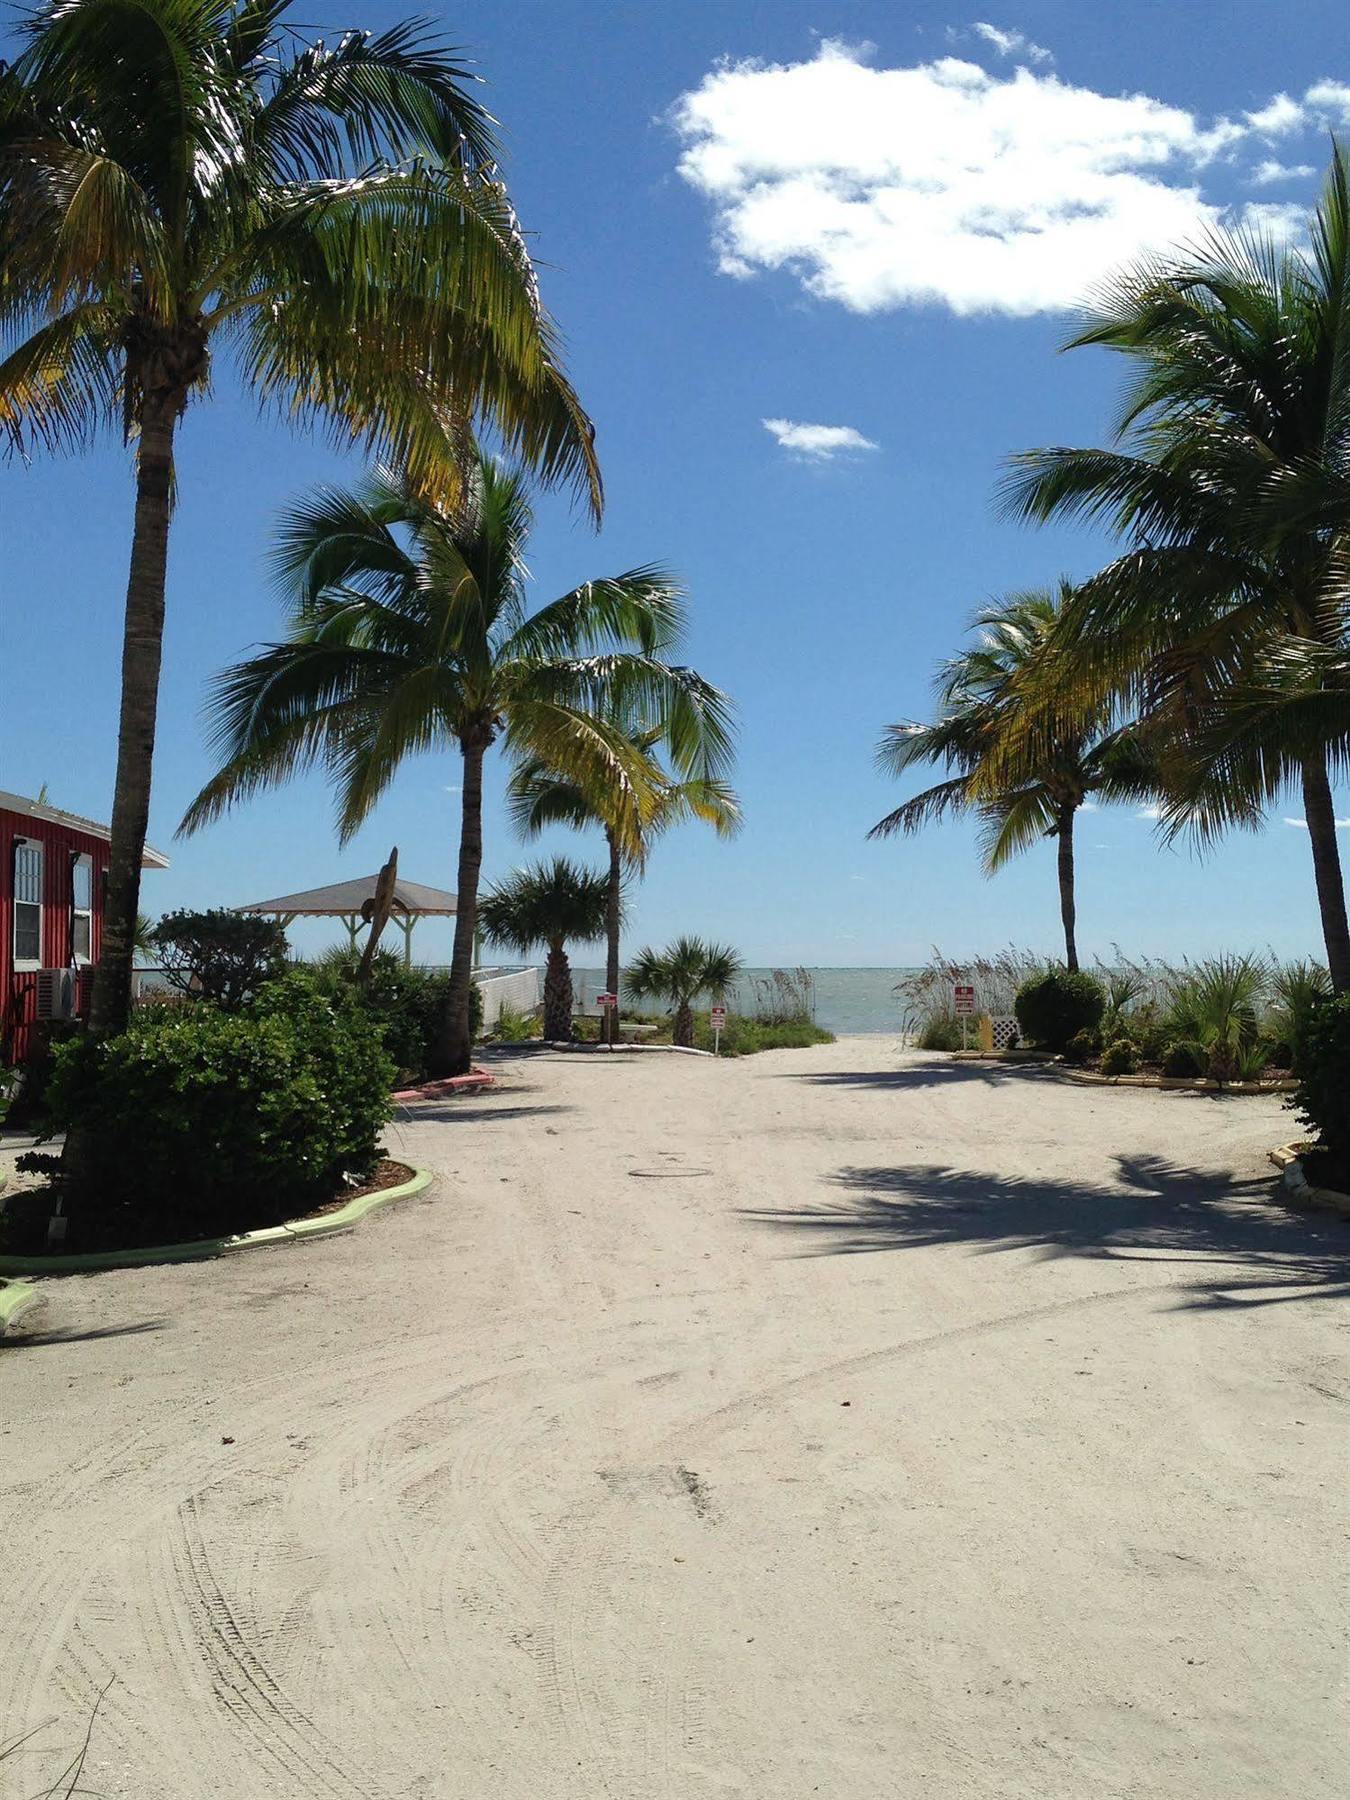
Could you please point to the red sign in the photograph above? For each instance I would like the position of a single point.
(965, 1001)
(718, 1017)
(607, 1000)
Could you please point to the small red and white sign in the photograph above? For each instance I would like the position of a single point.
(605, 1001)
(718, 1016)
(965, 1001)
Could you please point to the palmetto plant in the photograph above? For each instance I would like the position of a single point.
(1226, 618)
(539, 797)
(1023, 788)
(185, 178)
(553, 904)
(1215, 1008)
(684, 969)
(410, 631)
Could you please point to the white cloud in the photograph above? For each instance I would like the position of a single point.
(1302, 824)
(940, 183)
(1280, 117)
(1270, 171)
(1149, 812)
(1329, 99)
(1012, 43)
(820, 442)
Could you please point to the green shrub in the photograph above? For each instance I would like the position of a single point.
(1298, 989)
(219, 956)
(1120, 1058)
(1323, 1095)
(211, 1122)
(746, 1037)
(1053, 1007)
(516, 1027)
(940, 1031)
(1183, 1059)
(1083, 1046)
(407, 1002)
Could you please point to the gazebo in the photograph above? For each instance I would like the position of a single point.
(353, 903)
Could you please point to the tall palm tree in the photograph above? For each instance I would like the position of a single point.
(181, 178)
(410, 631)
(679, 973)
(1226, 616)
(1035, 788)
(553, 904)
(538, 797)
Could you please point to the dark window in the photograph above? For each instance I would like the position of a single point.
(27, 901)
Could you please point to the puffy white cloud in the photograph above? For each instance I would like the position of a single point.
(1281, 116)
(1012, 43)
(1270, 171)
(940, 183)
(1149, 812)
(1329, 99)
(820, 442)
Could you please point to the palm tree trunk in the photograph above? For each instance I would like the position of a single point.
(612, 938)
(1068, 910)
(454, 1046)
(557, 996)
(1321, 817)
(142, 643)
(684, 1024)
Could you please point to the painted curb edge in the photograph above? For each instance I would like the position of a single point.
(328, 1225)
(1201, 1084)
(16, 1298)
(1300, 1190)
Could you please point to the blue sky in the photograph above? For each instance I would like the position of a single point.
(810, 214)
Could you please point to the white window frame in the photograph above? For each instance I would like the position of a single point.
(27, 963)
(85, 860)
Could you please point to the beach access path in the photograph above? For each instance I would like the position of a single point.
(842, 1422)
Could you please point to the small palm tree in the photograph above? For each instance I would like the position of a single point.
(539, 797)
(410, 630)
(554, 904)
(183, 180)
(679, 973)
(1023, 785)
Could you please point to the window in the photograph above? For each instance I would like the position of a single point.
(27, 903)
(81, 909)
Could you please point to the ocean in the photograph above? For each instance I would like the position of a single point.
(848, 1002)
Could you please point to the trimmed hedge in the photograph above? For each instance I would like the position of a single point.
(1054, 1007)
(1323, 1094)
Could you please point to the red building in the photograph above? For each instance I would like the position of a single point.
(53, 875)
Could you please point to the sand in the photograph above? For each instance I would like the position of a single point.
(838, 1422)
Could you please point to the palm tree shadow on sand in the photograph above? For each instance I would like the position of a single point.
(1155, 1211)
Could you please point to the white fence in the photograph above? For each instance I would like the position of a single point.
(515, 987)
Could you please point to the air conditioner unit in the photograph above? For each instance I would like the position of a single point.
(58, 994)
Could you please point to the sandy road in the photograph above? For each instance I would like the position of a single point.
(836, 1422)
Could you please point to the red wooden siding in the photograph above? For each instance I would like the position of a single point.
(18, 989)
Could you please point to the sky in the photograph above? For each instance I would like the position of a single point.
(813, 264)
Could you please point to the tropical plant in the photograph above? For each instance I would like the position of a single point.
(1226, 618)
(1022, 787)
(180, 178)
(1119, 1058)
(406, 1000)
(1054, 1007)
(1297, 989)
(1214, 1008)
(1324, 1082)
(553, 904)
(538, 796)
(410, 631)
(219, 956)
(684, 969)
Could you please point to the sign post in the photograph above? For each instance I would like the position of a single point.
(964, 1006)
(606, 1003)
(718, 1018)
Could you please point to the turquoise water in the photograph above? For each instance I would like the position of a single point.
(849, 1002)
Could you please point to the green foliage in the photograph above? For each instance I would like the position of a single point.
(1083, 1046)
(1216, 1005)
(1120, 1058)
(1298, 988)
(926, 995)
(1183, 1060)
(1323, 1094)
(679, 973)
(212, 1122)
(746, 1037)
(406, 1002)
(218, 956)
(516, 1027)
(553, 904)
(1053, 1007)
(939, 1031)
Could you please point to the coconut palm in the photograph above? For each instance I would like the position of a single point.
(186, 179)
(539, 797)
(679, 973)
(410, 631)
(1044, 778)
(554, 904)
(1226, 617)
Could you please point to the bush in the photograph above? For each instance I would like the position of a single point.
(211, 1122)
(219, 956)
(1183, 1060)
(1323, 1094)
(940, 1031)
(1053, 1007)
(516, 1027)
(1083, 1046)
(1120, 1058)
(407, 1002)
(746, 1037)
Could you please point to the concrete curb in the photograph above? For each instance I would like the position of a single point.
(1198, 1084)
(626, 1049)
(16, 1298)
(328, 1225)
(1300, 1190)
(472, 1083)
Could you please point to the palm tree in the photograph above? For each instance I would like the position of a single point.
(679, 973)
(1225, 619)
(538, 797)
(1023, 785)
(553, 904)
(410, 631)
(185, 178)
